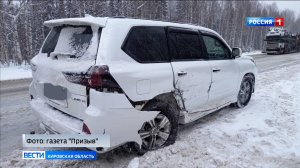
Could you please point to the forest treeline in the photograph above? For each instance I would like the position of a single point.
(22, 30)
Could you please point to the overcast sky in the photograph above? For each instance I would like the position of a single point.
(293, 5)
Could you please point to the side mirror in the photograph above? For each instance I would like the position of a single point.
(236, 52)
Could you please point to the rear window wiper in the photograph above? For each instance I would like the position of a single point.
(55, 54)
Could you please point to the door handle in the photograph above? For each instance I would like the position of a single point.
(181, 73)
(216, 70)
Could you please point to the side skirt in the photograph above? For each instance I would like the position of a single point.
(190, 117)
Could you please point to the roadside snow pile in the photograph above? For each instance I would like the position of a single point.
(12, 72)
(134, 163)
(252, 53)
(266, 133)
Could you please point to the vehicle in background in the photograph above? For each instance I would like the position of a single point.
(298, 42)
(264, 48)
(280, 41)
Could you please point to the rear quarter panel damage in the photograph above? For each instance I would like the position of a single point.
(112, 114)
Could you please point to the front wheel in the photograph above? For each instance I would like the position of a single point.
(245, 92)
(281, 51)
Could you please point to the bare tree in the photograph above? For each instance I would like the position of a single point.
(22, 31)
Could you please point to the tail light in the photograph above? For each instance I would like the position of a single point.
(86, 129)
(97, 77)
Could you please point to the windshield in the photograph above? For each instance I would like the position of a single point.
(72, 41)
(274, 38)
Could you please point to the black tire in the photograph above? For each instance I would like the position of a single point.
(242, 102)
(171, 112)
(281, 51)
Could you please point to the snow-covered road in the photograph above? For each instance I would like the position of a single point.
(266, 133)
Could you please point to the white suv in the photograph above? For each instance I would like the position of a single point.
(133, 79)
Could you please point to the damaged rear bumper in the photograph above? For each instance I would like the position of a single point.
(107, 113)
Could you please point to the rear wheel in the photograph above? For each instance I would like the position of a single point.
(160, 131)
(156, 132)
(245, 92)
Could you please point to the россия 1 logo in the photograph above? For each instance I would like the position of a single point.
(279, 22)
(264, 21)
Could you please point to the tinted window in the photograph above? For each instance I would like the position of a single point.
(185, 46)
(216, 50)
(147, 44)
(51, 40)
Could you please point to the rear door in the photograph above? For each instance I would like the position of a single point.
(224, 71)
(192, 73)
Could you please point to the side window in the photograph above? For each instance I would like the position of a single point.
(216, 50)
(51, 40)
(185, 46)
(147, 44)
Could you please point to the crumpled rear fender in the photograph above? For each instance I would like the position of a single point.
(113, 114)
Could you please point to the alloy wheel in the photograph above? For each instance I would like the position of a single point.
(245, 92)
(154, 133)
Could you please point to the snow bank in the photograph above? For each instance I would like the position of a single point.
(15, 72)
(252, 53)
(134, 163)
(266, 133)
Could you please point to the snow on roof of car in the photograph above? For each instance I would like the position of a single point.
(101, 21)
(123, 21)
(161, 23)
(145, 22)
(98, 21)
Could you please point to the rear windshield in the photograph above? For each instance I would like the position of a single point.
(72, 41)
